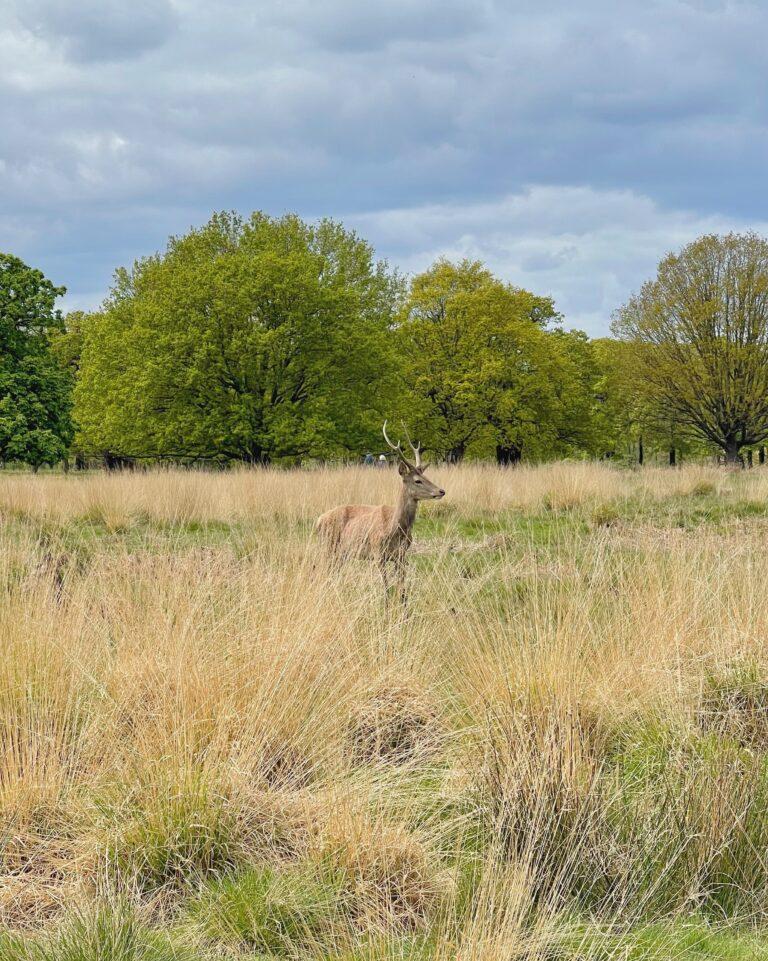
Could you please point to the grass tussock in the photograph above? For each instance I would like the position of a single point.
(213, 745)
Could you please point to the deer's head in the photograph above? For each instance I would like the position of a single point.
(416, 483)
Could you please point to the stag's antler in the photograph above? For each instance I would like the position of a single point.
(397, 448)
(416, 449)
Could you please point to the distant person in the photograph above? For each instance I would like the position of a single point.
(368, 459)
(382, 460)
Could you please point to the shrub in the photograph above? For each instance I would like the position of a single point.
(688, 822)
(545, 797)
(659, 825)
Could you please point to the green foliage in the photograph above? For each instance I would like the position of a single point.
(35, 425)
(484, 370)
(648, 822)
(270, 339)
(700, 337)
(279, 911)
(14, 947)
(111, 935)
(628, 418)
(249, 340)
(621, 416)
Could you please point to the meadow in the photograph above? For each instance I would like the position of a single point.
(215, 745)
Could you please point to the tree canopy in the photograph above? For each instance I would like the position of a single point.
(248, 340)
(35, 424)
(268, 340)
(700, 336)
(482, 367)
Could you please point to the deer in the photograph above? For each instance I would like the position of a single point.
(382, 533)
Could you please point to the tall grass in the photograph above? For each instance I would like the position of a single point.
(174, 497)
(560, 749)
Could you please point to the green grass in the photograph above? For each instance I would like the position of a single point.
(109, 933)
(243, 927)
(273, 911)
(683, 941)
(186, 833)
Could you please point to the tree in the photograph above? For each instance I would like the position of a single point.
(35, 424)
(246, 340)
(482, 368)
(701, 328)
(623, 418)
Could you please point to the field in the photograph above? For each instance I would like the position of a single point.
(213, 745)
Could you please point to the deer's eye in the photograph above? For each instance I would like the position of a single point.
(416, 481)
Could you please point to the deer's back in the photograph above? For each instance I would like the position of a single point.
(355, 529)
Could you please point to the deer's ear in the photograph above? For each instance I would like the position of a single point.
(403, 469)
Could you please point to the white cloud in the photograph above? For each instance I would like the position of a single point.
(121, 124)
(589, 249)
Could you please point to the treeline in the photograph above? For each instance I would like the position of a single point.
(276, 341)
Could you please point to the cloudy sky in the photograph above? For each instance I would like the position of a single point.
(569, 145)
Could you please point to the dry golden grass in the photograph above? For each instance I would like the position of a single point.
(170, 496)
(185, 693)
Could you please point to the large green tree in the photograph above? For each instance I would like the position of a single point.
(35, 391)
(246, 340)
(701, 327)
(483, 369)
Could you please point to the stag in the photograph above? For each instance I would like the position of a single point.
(383, 533)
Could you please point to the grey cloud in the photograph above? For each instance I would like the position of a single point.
(100, 30)
(121, 124)
(547, 259)
(353, 26)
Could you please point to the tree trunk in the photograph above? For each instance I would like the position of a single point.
(672, 456)
(749, 457)
(732, 447)
(761, 456)
(257, 456)
(640, 450)
(456, 454)
(117, 461)
(507, 455)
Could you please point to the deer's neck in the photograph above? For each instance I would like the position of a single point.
(405, 515)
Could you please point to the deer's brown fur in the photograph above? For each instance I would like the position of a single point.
(382, 533)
